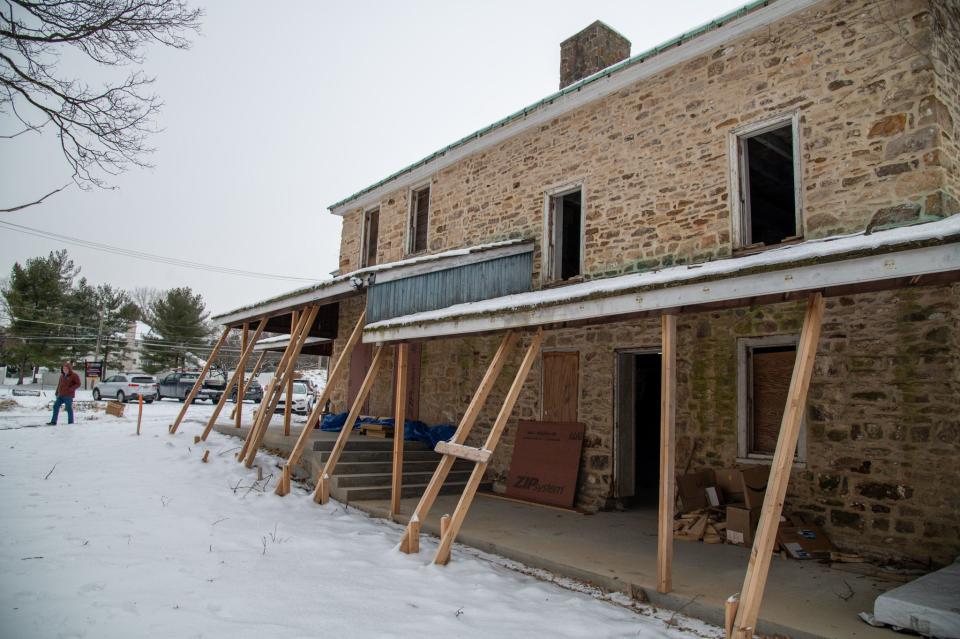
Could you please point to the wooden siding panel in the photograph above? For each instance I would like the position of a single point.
(439, 289)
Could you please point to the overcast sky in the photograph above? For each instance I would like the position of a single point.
(275, 114)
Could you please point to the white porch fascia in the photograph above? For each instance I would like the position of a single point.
(855, 271)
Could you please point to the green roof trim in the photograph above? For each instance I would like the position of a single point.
(573, 88)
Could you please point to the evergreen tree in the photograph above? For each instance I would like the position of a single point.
(178, 325)
(34, 298)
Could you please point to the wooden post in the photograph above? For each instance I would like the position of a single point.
(322, 494)
(446, 542)
(410, 543)
(339, 369)
(253, 376)
(206, 456)
(236, 378)
(668, 413)
(241, 370)
(196, 386)
(267, 410)
(756, 578)
(288, 405)
(268, 394)
(399, 417)
(444, 525)
(730, 614)
(139, 411)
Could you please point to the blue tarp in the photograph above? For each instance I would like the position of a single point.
(412, 430)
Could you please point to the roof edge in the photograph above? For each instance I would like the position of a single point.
(644, 56)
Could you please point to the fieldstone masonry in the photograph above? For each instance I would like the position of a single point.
(877, 88)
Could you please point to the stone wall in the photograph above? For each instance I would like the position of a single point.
(879, 145)
(882, 421)
(653, 158)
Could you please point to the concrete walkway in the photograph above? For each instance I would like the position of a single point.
(617, 551)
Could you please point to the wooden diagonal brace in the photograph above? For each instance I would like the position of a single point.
(268, 392)
(236, 413)
(234, 379)
(339, 369)
(322, 494)
(196, 386)
(291, 366)
(446, 542)
(410, 543)
(756, 578)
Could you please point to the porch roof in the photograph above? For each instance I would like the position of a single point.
(279, 343)
(861, 262)
(350, 284)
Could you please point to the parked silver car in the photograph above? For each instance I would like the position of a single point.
(127, 386)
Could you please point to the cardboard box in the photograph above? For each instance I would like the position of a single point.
(747, 485)
(741, 524)
(804, 542)
(693, 489)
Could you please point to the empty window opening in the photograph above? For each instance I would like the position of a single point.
(371, 231)
(565, 228)
(765, 372)
(419, 219)
(768, 193)
(637, 467)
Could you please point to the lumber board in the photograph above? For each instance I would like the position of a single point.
(270, 399)
(267, 412)
(241, 386)
(267, 394)
(668, 414)
(470, 490)
(758, 568)
(322, 493)
(196, 386)
(410, 542)
(236, 378)
(470, 453)
(399, 419)
(339, 369)
(288, 405)
(253, 376)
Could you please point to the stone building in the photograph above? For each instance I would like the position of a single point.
(756, 138)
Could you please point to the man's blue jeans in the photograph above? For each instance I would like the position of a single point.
(66, 402)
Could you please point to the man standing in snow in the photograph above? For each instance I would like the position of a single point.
(66, 390)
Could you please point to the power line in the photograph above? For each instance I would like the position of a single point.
(150, 257)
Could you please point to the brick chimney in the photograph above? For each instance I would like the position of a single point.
(595, 48)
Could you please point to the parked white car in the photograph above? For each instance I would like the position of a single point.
(302, 399)
(127, 386)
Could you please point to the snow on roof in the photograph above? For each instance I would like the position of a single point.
(812, 251)
(349, 281)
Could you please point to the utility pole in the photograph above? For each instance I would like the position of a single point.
(96, 352)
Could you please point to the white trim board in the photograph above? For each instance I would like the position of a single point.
(813, 277)
(593, 91)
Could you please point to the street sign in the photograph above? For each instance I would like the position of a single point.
(94, 369)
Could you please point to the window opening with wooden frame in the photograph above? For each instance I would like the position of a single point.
(419, 219)
(371, 232)
(765, 369)
(564, 234)
(765, 161)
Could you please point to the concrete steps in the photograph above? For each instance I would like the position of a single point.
(364, 471)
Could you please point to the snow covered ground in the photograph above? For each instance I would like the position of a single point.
(107, 534)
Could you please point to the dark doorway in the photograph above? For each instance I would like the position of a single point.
(638, 428)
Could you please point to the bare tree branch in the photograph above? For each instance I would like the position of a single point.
(102, 132)
(35, 202)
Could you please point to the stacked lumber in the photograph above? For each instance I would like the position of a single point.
(377, 430)
(706, 524)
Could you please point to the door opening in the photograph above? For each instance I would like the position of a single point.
(638, 428)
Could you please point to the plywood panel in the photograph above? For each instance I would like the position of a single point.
(772, 370)
(561, 386)
(546, 458)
